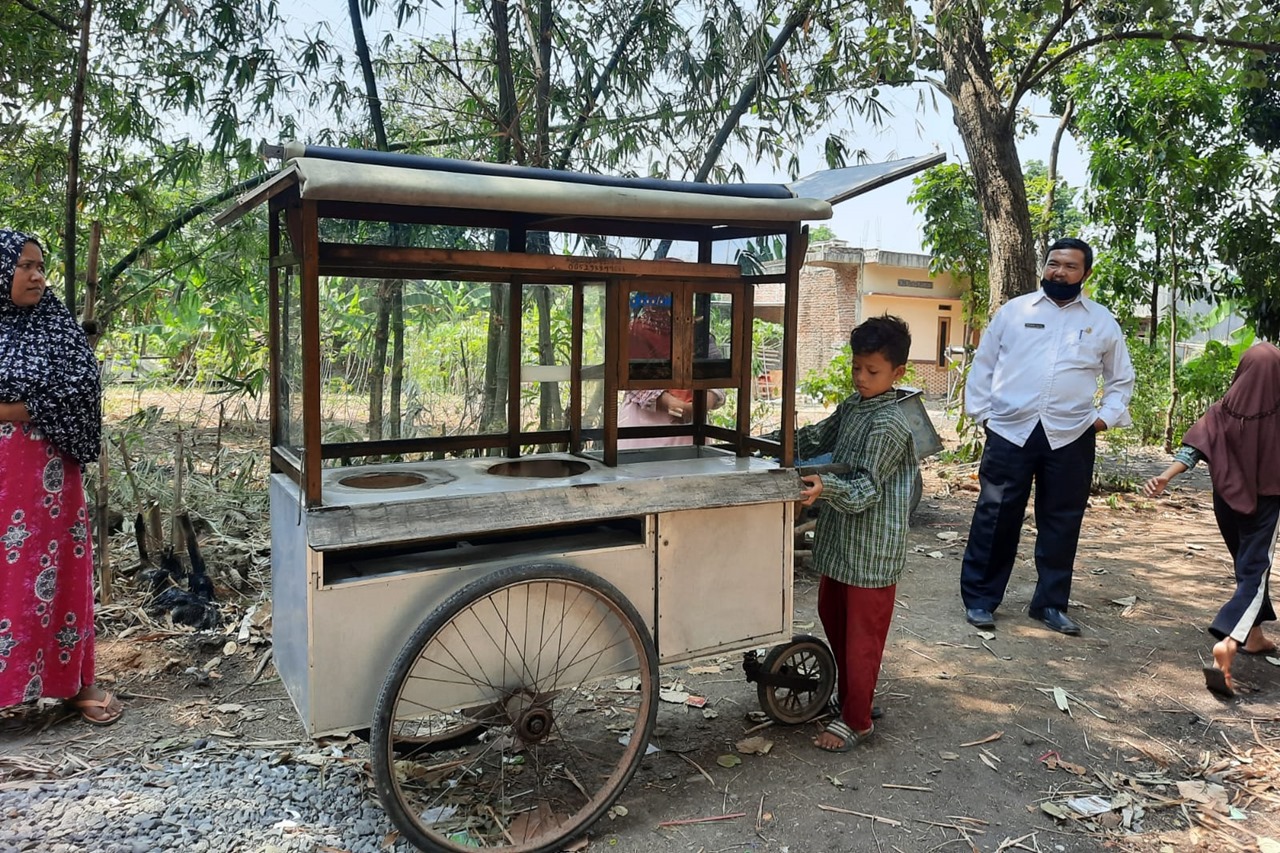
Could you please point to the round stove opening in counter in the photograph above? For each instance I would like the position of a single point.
(387, 480)
(549, 468)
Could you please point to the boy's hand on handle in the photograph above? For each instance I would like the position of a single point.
(812, 490)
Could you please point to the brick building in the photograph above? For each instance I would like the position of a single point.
(840, 286)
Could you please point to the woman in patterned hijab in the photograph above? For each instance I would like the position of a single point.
(50, 425)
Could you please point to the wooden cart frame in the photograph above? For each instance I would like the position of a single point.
(495, 618)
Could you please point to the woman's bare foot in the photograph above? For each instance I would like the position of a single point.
(1257, 643)
(97, 705)
(1223, 652)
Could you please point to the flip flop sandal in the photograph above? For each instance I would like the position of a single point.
(1271, 650)
(104, 703)
(848, 737)
(1216, 681)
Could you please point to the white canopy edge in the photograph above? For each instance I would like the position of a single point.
(332, 180)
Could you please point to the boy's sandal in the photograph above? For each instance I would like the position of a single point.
(833, 709)
(105, 703)
(848, 737)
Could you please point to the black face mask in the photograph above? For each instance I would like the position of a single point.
(1060, 292)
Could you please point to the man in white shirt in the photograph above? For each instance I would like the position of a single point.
(1033, 386)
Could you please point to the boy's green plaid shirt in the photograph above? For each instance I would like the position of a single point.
(861, 535)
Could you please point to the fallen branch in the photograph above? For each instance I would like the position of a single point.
(875, 817)
(698, 767)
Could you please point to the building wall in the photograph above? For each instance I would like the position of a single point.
(828, 312)
(842, 286)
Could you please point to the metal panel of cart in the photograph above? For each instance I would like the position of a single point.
(491, 606)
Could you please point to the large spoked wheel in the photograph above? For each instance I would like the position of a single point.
(796, 680)
(516, 714)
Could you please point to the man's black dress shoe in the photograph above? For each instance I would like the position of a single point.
(1057, 620)
(979, 618)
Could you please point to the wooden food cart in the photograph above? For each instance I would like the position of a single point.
(492, 603)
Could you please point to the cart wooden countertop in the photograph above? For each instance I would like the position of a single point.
(461, 498)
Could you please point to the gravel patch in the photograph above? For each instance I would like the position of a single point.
(198, 802)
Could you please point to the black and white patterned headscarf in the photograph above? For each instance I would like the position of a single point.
(46, 362)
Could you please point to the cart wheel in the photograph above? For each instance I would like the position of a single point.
(917, 492)
(806, 658)
(516, 713)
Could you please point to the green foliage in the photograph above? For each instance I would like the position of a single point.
(1259, 105)
(946, 197)
(1201, 381)
(834, 383)
(1247, 241)
(1064, 218)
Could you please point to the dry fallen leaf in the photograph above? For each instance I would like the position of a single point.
(754, 745)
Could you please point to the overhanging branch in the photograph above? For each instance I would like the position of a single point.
(1144, 35)
(176, 224)
(66, 29)
(1024, 79)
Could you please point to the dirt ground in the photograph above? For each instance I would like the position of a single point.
(987, 744)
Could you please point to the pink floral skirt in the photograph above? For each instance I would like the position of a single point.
(46, 571)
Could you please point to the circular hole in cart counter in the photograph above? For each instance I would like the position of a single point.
(548, 468)
(383, 480)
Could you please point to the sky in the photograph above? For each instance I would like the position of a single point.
(880, 219)
(883, 218)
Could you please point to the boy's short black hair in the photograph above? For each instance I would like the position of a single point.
(1075, 243)
(887, 335)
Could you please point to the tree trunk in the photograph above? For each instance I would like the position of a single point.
(378, 359)
(397, 357)
(496, 360)
(798, 17)
(1173, 343)
(1155, 297)
(986, 127)
(370, 81)
(387, 289)
(73, 161)
(1051, 184)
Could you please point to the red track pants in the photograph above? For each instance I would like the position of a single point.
(856, 619)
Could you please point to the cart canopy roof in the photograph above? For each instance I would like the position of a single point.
(387, 178)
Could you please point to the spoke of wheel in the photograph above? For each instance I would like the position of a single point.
(571, 633)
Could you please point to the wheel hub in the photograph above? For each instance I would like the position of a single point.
(531, 719)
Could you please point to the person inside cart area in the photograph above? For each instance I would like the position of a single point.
(860, 541)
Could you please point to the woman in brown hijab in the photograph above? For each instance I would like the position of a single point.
(1239, 436)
